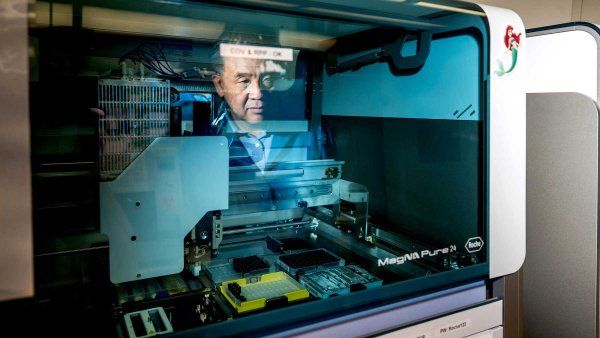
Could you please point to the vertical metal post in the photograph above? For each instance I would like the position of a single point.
(16, 243)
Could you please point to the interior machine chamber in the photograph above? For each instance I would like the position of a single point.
(233, 167)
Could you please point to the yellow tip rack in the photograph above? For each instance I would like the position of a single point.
(256, 293)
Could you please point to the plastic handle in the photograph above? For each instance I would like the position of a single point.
(410, 62)
(280, 173)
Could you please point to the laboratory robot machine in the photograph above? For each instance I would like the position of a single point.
(560, 273)
(269, 168)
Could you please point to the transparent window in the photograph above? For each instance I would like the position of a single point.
(225, 161)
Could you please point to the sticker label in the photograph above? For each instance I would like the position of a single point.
(256, 52)
(508, 61)
(452, 328)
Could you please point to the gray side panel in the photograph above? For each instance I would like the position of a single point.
(16, 244)
(560, 270)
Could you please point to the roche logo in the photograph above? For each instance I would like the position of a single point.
(474, 244)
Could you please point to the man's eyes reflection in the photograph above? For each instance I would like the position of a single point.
(243, 83)
(267, 81)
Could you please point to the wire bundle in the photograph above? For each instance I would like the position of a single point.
(153, 58)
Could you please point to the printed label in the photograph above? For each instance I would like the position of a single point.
(474, 244)
(398, 260)
(256, 52)
(452, 328)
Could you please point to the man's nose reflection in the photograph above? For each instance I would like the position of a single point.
(255, 92)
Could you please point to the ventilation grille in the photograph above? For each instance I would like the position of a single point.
(135, 113)
(194, 87)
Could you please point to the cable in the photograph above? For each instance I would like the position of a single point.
(153, 58)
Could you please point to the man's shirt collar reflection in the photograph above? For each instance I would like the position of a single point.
(257, 146)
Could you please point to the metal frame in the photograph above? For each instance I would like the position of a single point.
(16, 242)
(370, 320)
(568, 27)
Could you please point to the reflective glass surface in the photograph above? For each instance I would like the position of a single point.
(232, 159)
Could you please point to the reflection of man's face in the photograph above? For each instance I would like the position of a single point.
(242, 83)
